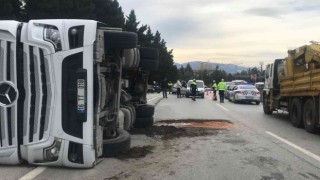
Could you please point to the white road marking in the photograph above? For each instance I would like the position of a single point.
(153, 98)
(310, 154)
(34, 173)
(223, 107)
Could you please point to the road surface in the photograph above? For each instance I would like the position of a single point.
(252, 146)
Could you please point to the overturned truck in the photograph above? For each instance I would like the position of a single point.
(293, 84)
(69, 91)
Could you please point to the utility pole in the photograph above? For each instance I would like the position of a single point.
(261, 64)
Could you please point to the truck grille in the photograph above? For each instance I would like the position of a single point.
(38, 95)
(8, 115)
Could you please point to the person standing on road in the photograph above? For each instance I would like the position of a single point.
(193, 88)
(179, 85)
(164, 87)
(214, 89)
(170, 86)
(222, 87)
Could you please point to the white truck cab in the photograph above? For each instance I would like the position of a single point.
(60, 86)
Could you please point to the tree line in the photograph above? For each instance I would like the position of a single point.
(105, 11)
(187, 73)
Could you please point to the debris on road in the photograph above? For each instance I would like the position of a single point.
(215, 124)
(171, 129)
(136, 152)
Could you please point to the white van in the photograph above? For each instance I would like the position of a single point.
(200, 86)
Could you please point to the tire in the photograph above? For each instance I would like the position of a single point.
(115, 146)
(258, 102)
(202, 96)
(120, 40)
(149, 64)
(149, 53)
(296, 113)
(133, 110)
(143, 122)
(310, 116)
(229, 99)
(129, 58)
(266, 108)
(144, 111)
(127, 118)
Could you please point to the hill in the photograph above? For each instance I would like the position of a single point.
(229, 68)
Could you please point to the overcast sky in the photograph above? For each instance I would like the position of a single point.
(230, 31)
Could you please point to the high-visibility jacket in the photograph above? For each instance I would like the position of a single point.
(193, 86)
(222, 86)
(214, 86)
(170, 84)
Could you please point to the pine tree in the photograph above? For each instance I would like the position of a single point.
(109, 12)
(58, 9)
(10, 9)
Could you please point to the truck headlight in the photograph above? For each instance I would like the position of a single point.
(52, 153)
(52, 35)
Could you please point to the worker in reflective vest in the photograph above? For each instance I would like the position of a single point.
(170, 86)
(222, 87)
(214, 89)
(193, 89)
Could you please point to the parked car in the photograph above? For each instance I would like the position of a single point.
(200, 85)
(259, 86)
(229, 88)
(245, 93)
(239, 82)
(174, 89)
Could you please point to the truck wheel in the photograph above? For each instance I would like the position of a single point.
(149, 53)
(133, 111)
(130, 58)
(310, 116)
(295, 113)
(149, 64)
(144, 111)
(115, 146)
(127, 118)
(120, 40)
(266, 108)
(258, 102)
(143, 122)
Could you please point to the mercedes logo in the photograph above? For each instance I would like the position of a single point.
(8, 94)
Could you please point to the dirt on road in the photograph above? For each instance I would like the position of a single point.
(171, 129)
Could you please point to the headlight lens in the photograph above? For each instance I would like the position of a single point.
(52, 35)
(52, 153)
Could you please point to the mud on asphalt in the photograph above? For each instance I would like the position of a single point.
(173, 129)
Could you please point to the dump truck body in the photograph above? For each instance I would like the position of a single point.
(293, 84)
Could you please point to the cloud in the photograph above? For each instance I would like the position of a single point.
(266, 12)
(243, 31)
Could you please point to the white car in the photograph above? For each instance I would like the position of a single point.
(245, 93)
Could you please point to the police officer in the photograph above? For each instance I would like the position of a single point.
(214, 89)
(170, 86)
(222, 87)
(193, 88)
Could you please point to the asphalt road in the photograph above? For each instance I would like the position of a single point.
(257, 146)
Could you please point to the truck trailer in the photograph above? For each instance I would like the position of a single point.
(292, 84)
